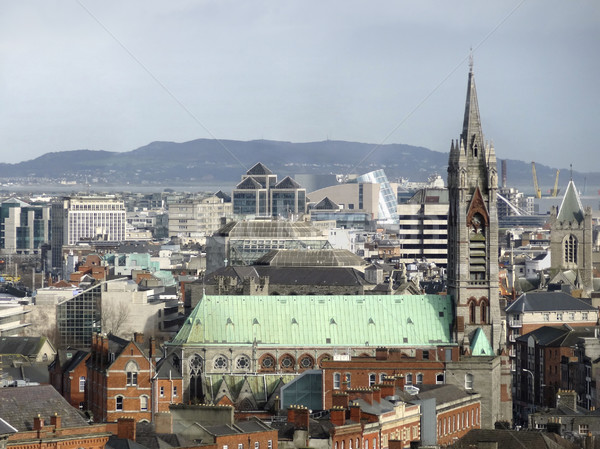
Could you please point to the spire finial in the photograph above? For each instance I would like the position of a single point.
(471, 60)
(571, 169)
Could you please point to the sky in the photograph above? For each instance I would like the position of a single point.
(113, 75)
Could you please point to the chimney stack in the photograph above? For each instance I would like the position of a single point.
(337, 416)
(381, 353)
(55, 420)
(340, 399)
(38, 422)
(126, 428)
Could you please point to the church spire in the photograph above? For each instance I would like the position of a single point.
(471, 132)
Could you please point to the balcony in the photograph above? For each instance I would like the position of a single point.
(515, 323)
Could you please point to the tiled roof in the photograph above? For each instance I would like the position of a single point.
(319, 320)
(547, 301)
(27, 346)
(18, 407)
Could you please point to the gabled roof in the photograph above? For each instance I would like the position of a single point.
(259, 169)
(481, 345)
(287, 183)
(26, 346)
(6, 428)
(571, 209)
(326, 204)
(319, 320)
(512, 439)
(249, 184)
(166, 370)
(547, 301)
(19, 405)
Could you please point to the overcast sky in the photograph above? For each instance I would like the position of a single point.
(117, 75)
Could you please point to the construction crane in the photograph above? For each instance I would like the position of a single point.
(537, 191)
(555, 191)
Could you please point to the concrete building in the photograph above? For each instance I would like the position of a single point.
(423, 234)
(80, 218)
(195, 219)
(352, 197)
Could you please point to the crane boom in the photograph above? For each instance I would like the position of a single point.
(555, 191)
(538, 192)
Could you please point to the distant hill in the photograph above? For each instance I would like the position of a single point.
(207, 161)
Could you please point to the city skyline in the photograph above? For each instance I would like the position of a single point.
(116, 77)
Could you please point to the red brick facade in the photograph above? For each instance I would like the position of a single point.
(71, 383)
(455, 423)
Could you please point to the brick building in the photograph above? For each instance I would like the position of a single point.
(68, 374)
(120, 375)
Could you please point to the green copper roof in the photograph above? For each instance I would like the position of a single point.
(386, 320)
(571, 208)
(481, 345)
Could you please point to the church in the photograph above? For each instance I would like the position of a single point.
(244, 349)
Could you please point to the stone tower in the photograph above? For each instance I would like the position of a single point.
(571, 239)
(473, 231)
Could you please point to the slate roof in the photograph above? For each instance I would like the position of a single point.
(287, 183)
(166, 370)
(546, 335)
(512, 439)
(26, 346)
(123, 443)
(259, 169)
(18, 407)
(547, 301)
(6, 428)
(316, 320)
(376, 408)
(571, 209)
(326, 204)
(317, 429)
(249, 184)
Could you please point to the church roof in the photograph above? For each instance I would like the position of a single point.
(375, 320)
(571, 209)
(481, 344)
(259, 170)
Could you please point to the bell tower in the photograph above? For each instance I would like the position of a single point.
(473, 232)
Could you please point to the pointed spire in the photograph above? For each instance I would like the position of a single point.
(571, 209)
(472, 133)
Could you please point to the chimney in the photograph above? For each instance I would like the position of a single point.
(395, 444)
(566, 398)
(361, 393)
(337, 416)
(55, 420)
(126, 428)
(291, 414)
(163, 422)
(138, 337)
(301, 418)
(399, 381)
(355, 412)
(381, 353)
(152, 349)
(340, 399)
(376, 394)
(386, 389)
(38, 422)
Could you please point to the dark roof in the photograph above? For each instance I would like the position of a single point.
(546, 335)
(71, 362)
(547, 301)
(293, 275)
(166, 370)
(570, 209)
(376, 408)
(18, 407)
(6, 428)
(326, 204)
(259, 169)
(249, 184)
(287, 183)
(317, 429)
(27, 346)
(512, 439)
(123, 443)
(224, 196)
(442, 393)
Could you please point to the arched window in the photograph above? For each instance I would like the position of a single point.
(382, 377)
(372, 379)
(195, 364)
(268, 362)
(242, 363)
(132, 370)
(570, 249)
(483, 311)
(287, 362)
(119, 403)
(439, 378)
(337, 380)
(220, 363)
(472, 314)
(143, 403)
(468, 381)
(306, 362)
(419, 378)
(409, 379)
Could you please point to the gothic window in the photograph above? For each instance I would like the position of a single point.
(220, 363)
(409, 379)
(242, 363)
(195, 365)
(484, 311)
(570, 249)
(419, 379)
(472, 314)
(287, 362)
(477, 248)
(268, 362)
(306, 362)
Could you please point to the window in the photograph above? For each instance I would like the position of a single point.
(419, 378)
(240, 446)
(546, 316)
(82, 384)
(132, 373)
(468, 381)
(347, 379)
(570, 249)
(409, 379)
(584, 316)
(425, 355)
(372, 379)
(268, 362)
(243, 362)
(256, 445)
(287, 362)
(162, 392)
(270, 444)
(119, 404)
(572, 316)
(382, 377)
(225, 446)
(174, 390)
(472, 312)
(220, 363)
(81, 405)
(584, 429)
(439, 378)
(559, 316)
(143, 403)
(336, 380)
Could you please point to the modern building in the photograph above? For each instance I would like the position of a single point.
(195, 219)
(423, 234)
(259, 194)
(80, 218)
(350, 197)
(24, 227)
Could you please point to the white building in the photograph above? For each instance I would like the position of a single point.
(194, 219)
